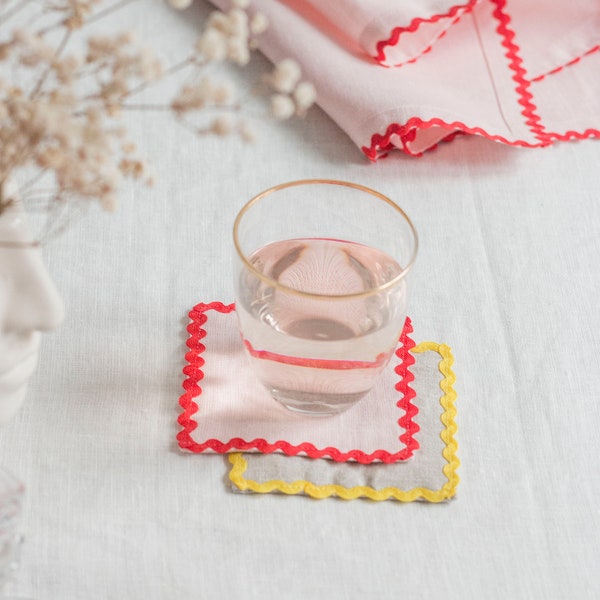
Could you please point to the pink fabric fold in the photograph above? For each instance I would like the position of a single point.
(520, 72)
(393, 33)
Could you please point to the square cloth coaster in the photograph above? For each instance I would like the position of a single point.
(232, 411)
(431, 475)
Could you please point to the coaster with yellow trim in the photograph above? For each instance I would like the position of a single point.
(430, 475)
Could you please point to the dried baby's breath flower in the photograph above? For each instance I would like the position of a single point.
(150, 180)
(109, 202)
(222, 125)
(62, 112)
(258, 24)
(212, 45)
(282, 106)
(223, 92)
(238, 22)
(128, 147)
(32, 49)
(285, 76)
(132, 167)
(295, 96)
(226, 37)
(246, 131)
(207, 92)
(66, 69)
(218, 21)
(5, 49)
(304, 95)
(238, 51)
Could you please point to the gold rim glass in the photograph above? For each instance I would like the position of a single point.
(325, 208)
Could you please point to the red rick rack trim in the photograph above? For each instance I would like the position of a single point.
(572, 62)
(532, 119)
(455, 13)
(407, 393)
(575, 135)
(407, 132)
(194, 374)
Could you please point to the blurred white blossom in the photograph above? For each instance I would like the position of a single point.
(305, 95)
(285, 76)
(222, 125)
(282, 107)
(293, 96)
(212, 45)
(258, 24)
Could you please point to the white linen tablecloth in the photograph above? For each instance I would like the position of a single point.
(507, 275)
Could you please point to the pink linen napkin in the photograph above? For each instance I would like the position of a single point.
(521, 72)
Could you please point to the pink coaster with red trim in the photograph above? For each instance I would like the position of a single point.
(225, 408)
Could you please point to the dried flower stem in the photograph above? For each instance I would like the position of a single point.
(108, 10)
(186, 62)
(19, 158)
(59, 50)
(33, 180)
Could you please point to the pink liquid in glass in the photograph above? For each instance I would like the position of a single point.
(320, 353)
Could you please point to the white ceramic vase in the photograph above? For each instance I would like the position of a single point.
(29, 305)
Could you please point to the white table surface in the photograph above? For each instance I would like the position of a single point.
(507, 275)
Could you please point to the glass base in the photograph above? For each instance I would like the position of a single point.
(315, 405)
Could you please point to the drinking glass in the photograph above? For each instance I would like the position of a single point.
(321, 289)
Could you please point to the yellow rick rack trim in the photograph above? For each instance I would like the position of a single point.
(447, 491)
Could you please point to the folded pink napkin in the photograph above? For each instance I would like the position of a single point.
(521, 72)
